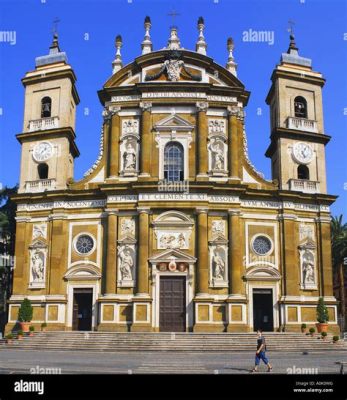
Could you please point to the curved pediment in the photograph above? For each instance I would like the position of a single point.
(262, 273)
(173, 218)
(173, 66)
(83, 272)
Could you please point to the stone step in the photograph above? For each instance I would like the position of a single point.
(125, 341)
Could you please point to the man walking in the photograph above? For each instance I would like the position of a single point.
(260, 353)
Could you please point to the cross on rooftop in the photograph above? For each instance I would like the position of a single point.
(173, 14)
(291, 27)
(55, 26)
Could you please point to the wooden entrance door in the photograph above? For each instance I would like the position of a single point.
(172, 304)
(263, 309)
(82, 309)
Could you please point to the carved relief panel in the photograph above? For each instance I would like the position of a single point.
(126, 253)
(308, 259)
(218, 255)
(38, 261)
(129, 147)
(217, 147)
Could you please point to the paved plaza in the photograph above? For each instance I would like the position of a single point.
(76, 362)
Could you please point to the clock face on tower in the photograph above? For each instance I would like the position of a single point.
(42, 151)
(302, 153)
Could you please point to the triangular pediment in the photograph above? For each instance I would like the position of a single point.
(172, 254)
(173, 121)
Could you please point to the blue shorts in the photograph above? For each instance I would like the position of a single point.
(261, 356)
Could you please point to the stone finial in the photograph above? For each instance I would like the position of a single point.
(201, 45)
(292, 49)
(54, 47)
(146, 45)
(117, 62)
(231, 65)
(174, 42)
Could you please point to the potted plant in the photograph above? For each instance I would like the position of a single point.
(336, 339)
(324, 335)
(322, 316)
(312, 331)
(43, 326)
(20, 334)
(31, 330)
(25, 315)
(303, 328)
(9, 338)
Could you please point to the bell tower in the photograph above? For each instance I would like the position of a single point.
(298, 140)
(48, 137)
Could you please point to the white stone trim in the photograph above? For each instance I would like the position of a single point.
(300, 321)
(250, 285)
(61, 313)
(148, 320)
(156, 275)
(69, 291)
(274, 244)
(244, 313)
(115, 313)
(223, 199)
(173, 110)
(97, 241)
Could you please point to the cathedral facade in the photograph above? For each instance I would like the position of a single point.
(173, 228)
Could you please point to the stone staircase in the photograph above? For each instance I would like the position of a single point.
(193, 342)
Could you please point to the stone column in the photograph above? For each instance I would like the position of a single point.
(291, 263)
(201, 138)
(202, 244)
(58, 252)
(145, 145)
(114, 144)
(111, 255)
(23, 233)
(325, 268)
(233, 143)
(143, 235)
(235, 254)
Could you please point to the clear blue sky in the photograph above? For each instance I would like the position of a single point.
(320, 27)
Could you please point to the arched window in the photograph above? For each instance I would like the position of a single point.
(42, 170)
(303, 172)
(173, 162)
(300, 107)
(46, 107)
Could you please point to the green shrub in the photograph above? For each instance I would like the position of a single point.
(25, 313)
(43, 325)
(9, 336)
(336, 338)
(322, 312)
(20, 333)
(312, 330)
(324, 334)
(31, 328)
(303, 326)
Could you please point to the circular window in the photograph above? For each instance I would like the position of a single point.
(262, 245)
(84, 244)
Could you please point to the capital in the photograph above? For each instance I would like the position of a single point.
(146, 106)
(109, 112)
(201, 210)
(143, 210)
(201, 106)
